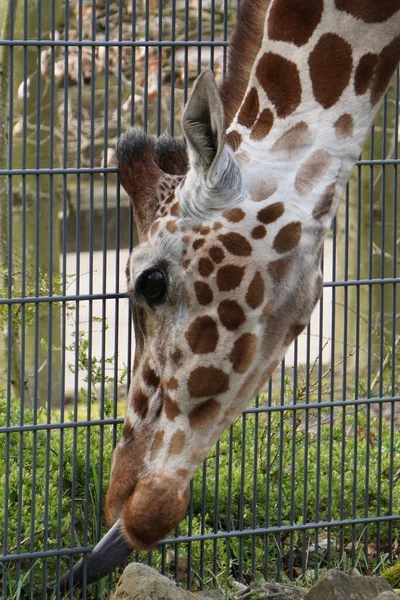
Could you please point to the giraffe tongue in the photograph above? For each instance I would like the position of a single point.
(111, 551)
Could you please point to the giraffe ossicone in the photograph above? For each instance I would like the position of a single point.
(227, 271)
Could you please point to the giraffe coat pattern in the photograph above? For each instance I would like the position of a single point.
(233, 227)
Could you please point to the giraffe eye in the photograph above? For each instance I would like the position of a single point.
(153, 286)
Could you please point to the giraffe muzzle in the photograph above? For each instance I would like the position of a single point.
(157, 505)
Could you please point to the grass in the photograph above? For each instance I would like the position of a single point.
(278, 474)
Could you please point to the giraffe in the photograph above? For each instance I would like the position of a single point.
(231, 230)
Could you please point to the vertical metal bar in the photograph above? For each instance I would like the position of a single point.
(242, 488)
(77, 279)
(7, 455)
(23, 293)
(344, 374)
(394, 341)
(331, 396)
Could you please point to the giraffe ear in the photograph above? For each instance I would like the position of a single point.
(203, 124)
(148, 171)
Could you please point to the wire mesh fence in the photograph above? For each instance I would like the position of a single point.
(308, 477)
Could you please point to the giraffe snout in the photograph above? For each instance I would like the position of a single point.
(157, 504)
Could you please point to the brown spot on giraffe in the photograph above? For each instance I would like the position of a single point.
(234, 215)
(262, 190)
(292, 142)
(324, 204)
(176, 356)
(203, 292)
(294, 21)
(206, 267)
(217, 225)
(183, 473)
(280, 80)
(202, 335)
(140, 403)
(186, 238)
(207, 381)
(203, 229)
(173, 384)
(177, 442)
(171, 408)
(154, 227)
(198, 243)
(236, 244)
(255, 293)
(149, 376)
(175, 209)
(388, 60)
(234, 139)
(330, 65)
(311, 171)
(344, 127)
(365, 72)
(288, 237)
(370, 12)
(186, 264)
(229, 277)
(279, 269)
(157, 444)
(259, 232)
(217, 254)
(263, 125)
(271, 213)
(249, 111)
(201, 416)
(292, 334)
(243, 352)
(231, 314)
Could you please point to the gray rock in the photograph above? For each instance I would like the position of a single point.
(140, 582)
(277, 591)
(335, 585)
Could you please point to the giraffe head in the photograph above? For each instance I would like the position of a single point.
(227, 270)
(210, 295)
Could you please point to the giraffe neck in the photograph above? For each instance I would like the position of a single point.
(318, 74)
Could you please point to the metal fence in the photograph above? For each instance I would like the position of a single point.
(308, 477)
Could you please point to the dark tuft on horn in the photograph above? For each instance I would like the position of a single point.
(171, 155)
(132, 146)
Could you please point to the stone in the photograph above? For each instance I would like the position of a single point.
(335, 585)
(277, 591)
(140, 582)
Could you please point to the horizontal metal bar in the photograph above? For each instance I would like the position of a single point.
(280, 529)
(216, 536)
(115, 43)
(252, 410)
(111, 296)
(59, 425)
(320, 405)
(71, 298)
(97, 170)
(45, 553)
(60, 171)
(359, 282)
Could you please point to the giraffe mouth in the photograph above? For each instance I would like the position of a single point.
(156, 505)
